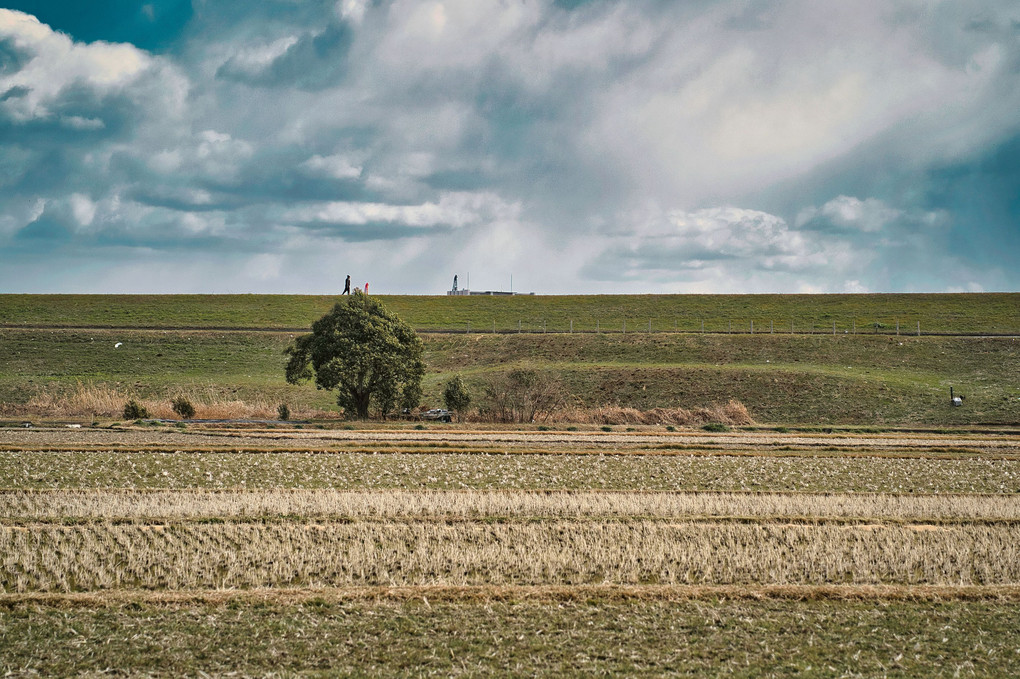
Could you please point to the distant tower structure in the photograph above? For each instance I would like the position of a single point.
(457, 290)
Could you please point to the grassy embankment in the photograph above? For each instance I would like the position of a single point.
(863, 380)
(964, 313)
(781, 378)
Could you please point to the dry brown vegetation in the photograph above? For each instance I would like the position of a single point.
(245, 555)
(121, 505)
(731, 413)
(575, 517)
(90, 400)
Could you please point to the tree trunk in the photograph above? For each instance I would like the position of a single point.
(361, 402)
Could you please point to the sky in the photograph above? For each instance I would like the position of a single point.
(558, 146)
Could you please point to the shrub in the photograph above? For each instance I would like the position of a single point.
(133, 410)
(283, 412)
(670, 428)
(456, 396)
(182, 406)
(607, 428)
(542, 427)
(571, 428)
(521, 395)
(715, 426)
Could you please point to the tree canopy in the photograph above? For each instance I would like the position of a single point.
(365, 353)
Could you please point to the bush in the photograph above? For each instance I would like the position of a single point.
(521, 395)
(456, 396)
(607, 428)
(182, 406)
(133, 410)
(715, 426)
(670, 428)
(283, 412)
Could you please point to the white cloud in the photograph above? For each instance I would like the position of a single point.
(352, 10)
(338, 166)
(253, 61)
(718, 112)
(869, 215)
(718, 249)
(519, 136)
(452, 34)
(54, 62)
(83, 209)
(455, 209)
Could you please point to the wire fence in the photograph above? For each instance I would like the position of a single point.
(715, 326)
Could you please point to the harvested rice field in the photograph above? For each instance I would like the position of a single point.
(161, 551)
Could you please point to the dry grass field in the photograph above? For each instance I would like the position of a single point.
(163, 551)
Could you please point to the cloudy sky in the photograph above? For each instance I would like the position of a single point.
(577, 146)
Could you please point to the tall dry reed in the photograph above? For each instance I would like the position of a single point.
(732, 413)
(92, 400)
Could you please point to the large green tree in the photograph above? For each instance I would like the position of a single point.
(365, 353)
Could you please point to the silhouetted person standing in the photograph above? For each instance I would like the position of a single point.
(347, 286)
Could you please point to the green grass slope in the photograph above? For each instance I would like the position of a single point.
(981, 313)
(781, 378)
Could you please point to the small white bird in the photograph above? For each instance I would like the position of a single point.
(117, 344)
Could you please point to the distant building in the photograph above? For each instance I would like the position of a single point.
(464, 291)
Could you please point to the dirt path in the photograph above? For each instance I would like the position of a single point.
(63, 438)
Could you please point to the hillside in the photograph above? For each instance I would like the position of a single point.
(783, 379)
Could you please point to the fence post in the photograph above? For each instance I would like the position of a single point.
(469, 327)
(919, 328)
(649, 326)
(834, 328)
(571, 325)
(494, 326)
(518, 326)
(772, 328)
(897, 326)
(625, 326)
(855, 326)
(791, 327)
(597, 326)
(702, 326)
(752, 326)
(729, 326)
(543, 325)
